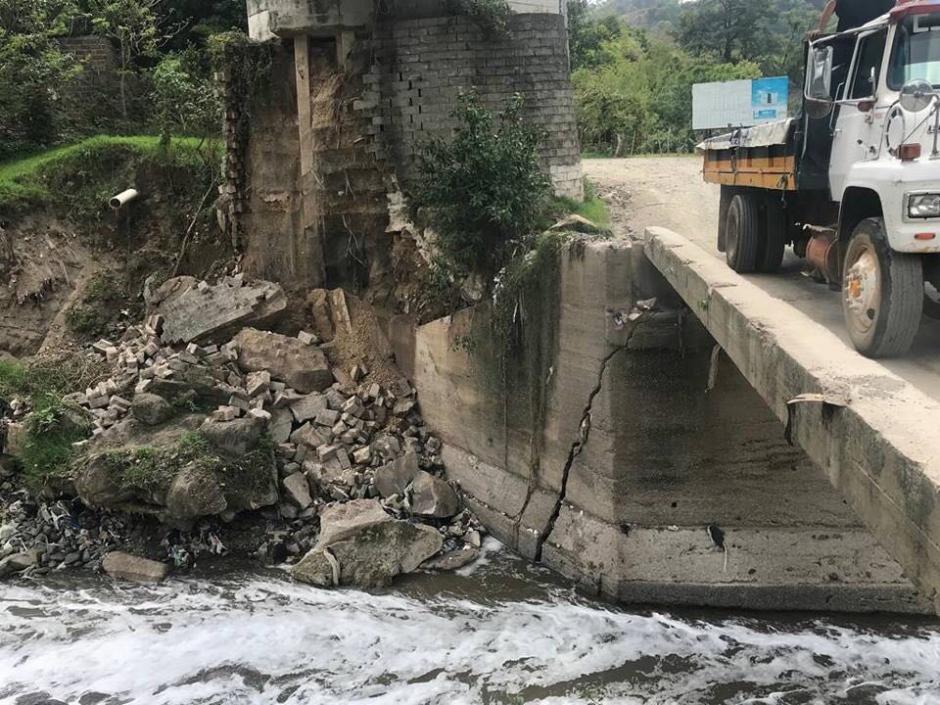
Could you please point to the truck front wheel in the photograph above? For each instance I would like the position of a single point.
(882, 292)
(743, 232)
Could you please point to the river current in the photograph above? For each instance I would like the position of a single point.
(501, 632)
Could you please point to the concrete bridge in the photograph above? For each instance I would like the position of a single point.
(876, 437)
(642, 447)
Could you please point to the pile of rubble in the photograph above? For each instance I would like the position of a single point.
(333, 437)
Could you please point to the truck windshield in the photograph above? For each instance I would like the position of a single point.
(916, 53)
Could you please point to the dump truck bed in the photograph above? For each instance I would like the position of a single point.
(763, 156)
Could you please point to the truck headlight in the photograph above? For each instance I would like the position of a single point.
(923, 205)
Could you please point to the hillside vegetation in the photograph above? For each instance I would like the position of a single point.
(634, 62)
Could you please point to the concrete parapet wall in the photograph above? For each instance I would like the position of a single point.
(675, 440)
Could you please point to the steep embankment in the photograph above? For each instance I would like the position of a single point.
(71, 266)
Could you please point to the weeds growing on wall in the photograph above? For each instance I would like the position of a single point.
(492, 16)
(484, 190)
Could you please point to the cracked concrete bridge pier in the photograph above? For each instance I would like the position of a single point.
(876, 437)
(626, 451)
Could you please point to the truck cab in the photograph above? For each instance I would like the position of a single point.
(858, 193)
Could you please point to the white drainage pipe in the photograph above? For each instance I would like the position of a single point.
(123, 198)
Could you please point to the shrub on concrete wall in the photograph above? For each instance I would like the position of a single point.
(484, 189)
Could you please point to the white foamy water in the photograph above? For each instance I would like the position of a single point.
(266, 640)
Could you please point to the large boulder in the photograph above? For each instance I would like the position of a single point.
(193, 493)
(235, 437)
(19, 562)
(151, 409)
(302, 366)
(98, 481)
(362, 546)
(433, 497)
(179, 473)
(194, 311)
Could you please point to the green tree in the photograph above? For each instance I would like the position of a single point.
(132, 24)
(586, 33)
(727, 29)
(33, 71)
(639, 98)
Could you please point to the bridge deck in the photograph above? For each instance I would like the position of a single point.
(876, 436)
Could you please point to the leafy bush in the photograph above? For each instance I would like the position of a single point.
(638, 98)
(484, 189)
(185, 97)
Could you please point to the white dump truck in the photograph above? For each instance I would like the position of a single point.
(854, 183)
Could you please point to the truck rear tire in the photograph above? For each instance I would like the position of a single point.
(774, 235)
(743, 233)
(882, 292)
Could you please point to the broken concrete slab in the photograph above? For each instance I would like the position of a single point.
(308, 407)
(280, 425)
(394, 477)
(298, 489)
(452, 560)
(303, 367)
(124, 566)
(339, 521)
(214, 312)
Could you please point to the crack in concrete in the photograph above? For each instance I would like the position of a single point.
(584, 433)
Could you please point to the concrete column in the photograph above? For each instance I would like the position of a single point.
(306, 256)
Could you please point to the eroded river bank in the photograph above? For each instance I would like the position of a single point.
(500, 631)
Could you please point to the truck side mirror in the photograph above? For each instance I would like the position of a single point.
(819, 74)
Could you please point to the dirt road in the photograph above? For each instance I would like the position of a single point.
(669, 192)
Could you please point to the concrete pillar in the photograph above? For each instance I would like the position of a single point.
(306, 256)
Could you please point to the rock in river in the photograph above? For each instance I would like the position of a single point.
(362, 546)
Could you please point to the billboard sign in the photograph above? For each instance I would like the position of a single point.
(739, 103)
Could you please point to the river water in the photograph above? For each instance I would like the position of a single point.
(501, 632)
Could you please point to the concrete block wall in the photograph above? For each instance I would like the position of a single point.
(677, 441)
(422, 65)
(99, 60)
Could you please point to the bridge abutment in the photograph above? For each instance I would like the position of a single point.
(652, 470)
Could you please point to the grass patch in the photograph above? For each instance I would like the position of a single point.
(593, 207)
(52, 426)
(86, 173)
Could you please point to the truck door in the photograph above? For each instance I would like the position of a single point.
(854, 135)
